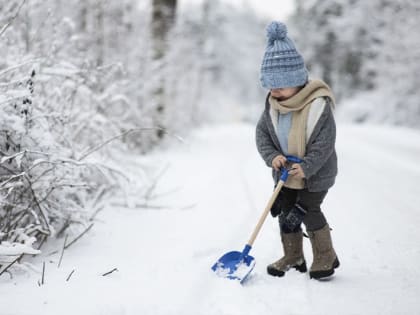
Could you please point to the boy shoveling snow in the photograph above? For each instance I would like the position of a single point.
(298, 120)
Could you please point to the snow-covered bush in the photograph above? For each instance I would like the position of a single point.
(63, 93)
(46, 186)
(75, 76)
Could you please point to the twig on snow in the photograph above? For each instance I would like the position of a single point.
(43, 273)
(109, 272)
(11, 264)
(69, 276)
(77, 238)
(62, 251)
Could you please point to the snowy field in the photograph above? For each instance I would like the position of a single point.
(219, 186)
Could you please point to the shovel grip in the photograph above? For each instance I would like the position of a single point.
(293, 159)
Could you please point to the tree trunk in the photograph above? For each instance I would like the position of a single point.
(163, 17)
(82, 17)
(99, 30)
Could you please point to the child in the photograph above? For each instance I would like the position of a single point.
(298, 120)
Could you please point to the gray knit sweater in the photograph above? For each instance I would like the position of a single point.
(320, 162)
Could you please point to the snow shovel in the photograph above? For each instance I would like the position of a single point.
(238, 265)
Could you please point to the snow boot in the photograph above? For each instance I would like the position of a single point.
(325, 258)
(293, 255)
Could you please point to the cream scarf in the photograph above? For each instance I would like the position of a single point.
(299, 105)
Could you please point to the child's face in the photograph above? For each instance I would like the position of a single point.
(283, 94)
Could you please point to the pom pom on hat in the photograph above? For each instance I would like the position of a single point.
(276, 31)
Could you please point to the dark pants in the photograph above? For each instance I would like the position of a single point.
(314, 219)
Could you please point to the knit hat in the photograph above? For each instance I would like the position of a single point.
(282, 65)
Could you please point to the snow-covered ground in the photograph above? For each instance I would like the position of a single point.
(218, 186)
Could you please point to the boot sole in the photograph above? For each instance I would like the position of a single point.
(280, 273)
(324, 273)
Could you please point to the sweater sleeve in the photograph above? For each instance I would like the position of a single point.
(322, 145)
(265, 145)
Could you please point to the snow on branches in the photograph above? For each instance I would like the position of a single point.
(45, 185)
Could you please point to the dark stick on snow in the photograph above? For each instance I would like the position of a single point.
(71, 273)
(73, 241)
(64, 227)
(11, 264)
(109, 272)
(62, 251)
(77, 238)
(43, 273)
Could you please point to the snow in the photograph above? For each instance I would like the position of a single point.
(8, 249)
(164, 256)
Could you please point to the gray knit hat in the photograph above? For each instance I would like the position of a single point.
(282, 65)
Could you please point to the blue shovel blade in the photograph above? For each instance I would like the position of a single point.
(234, 265)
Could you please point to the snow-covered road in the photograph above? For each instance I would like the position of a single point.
(219, 188)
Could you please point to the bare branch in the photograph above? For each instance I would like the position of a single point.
(66, 224)
(12, 178)
(62, 251)
(5, 27)
(11, 264)
(15, 98)
(93, 216)
(90, 151)
(44, 238)
(30, 61)
(38, 204)
(152, 187)
(14, 82)
(77, 238)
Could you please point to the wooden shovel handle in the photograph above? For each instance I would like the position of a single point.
(265, 213)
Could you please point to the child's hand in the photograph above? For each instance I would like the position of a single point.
(278, 162)
(296, 170)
